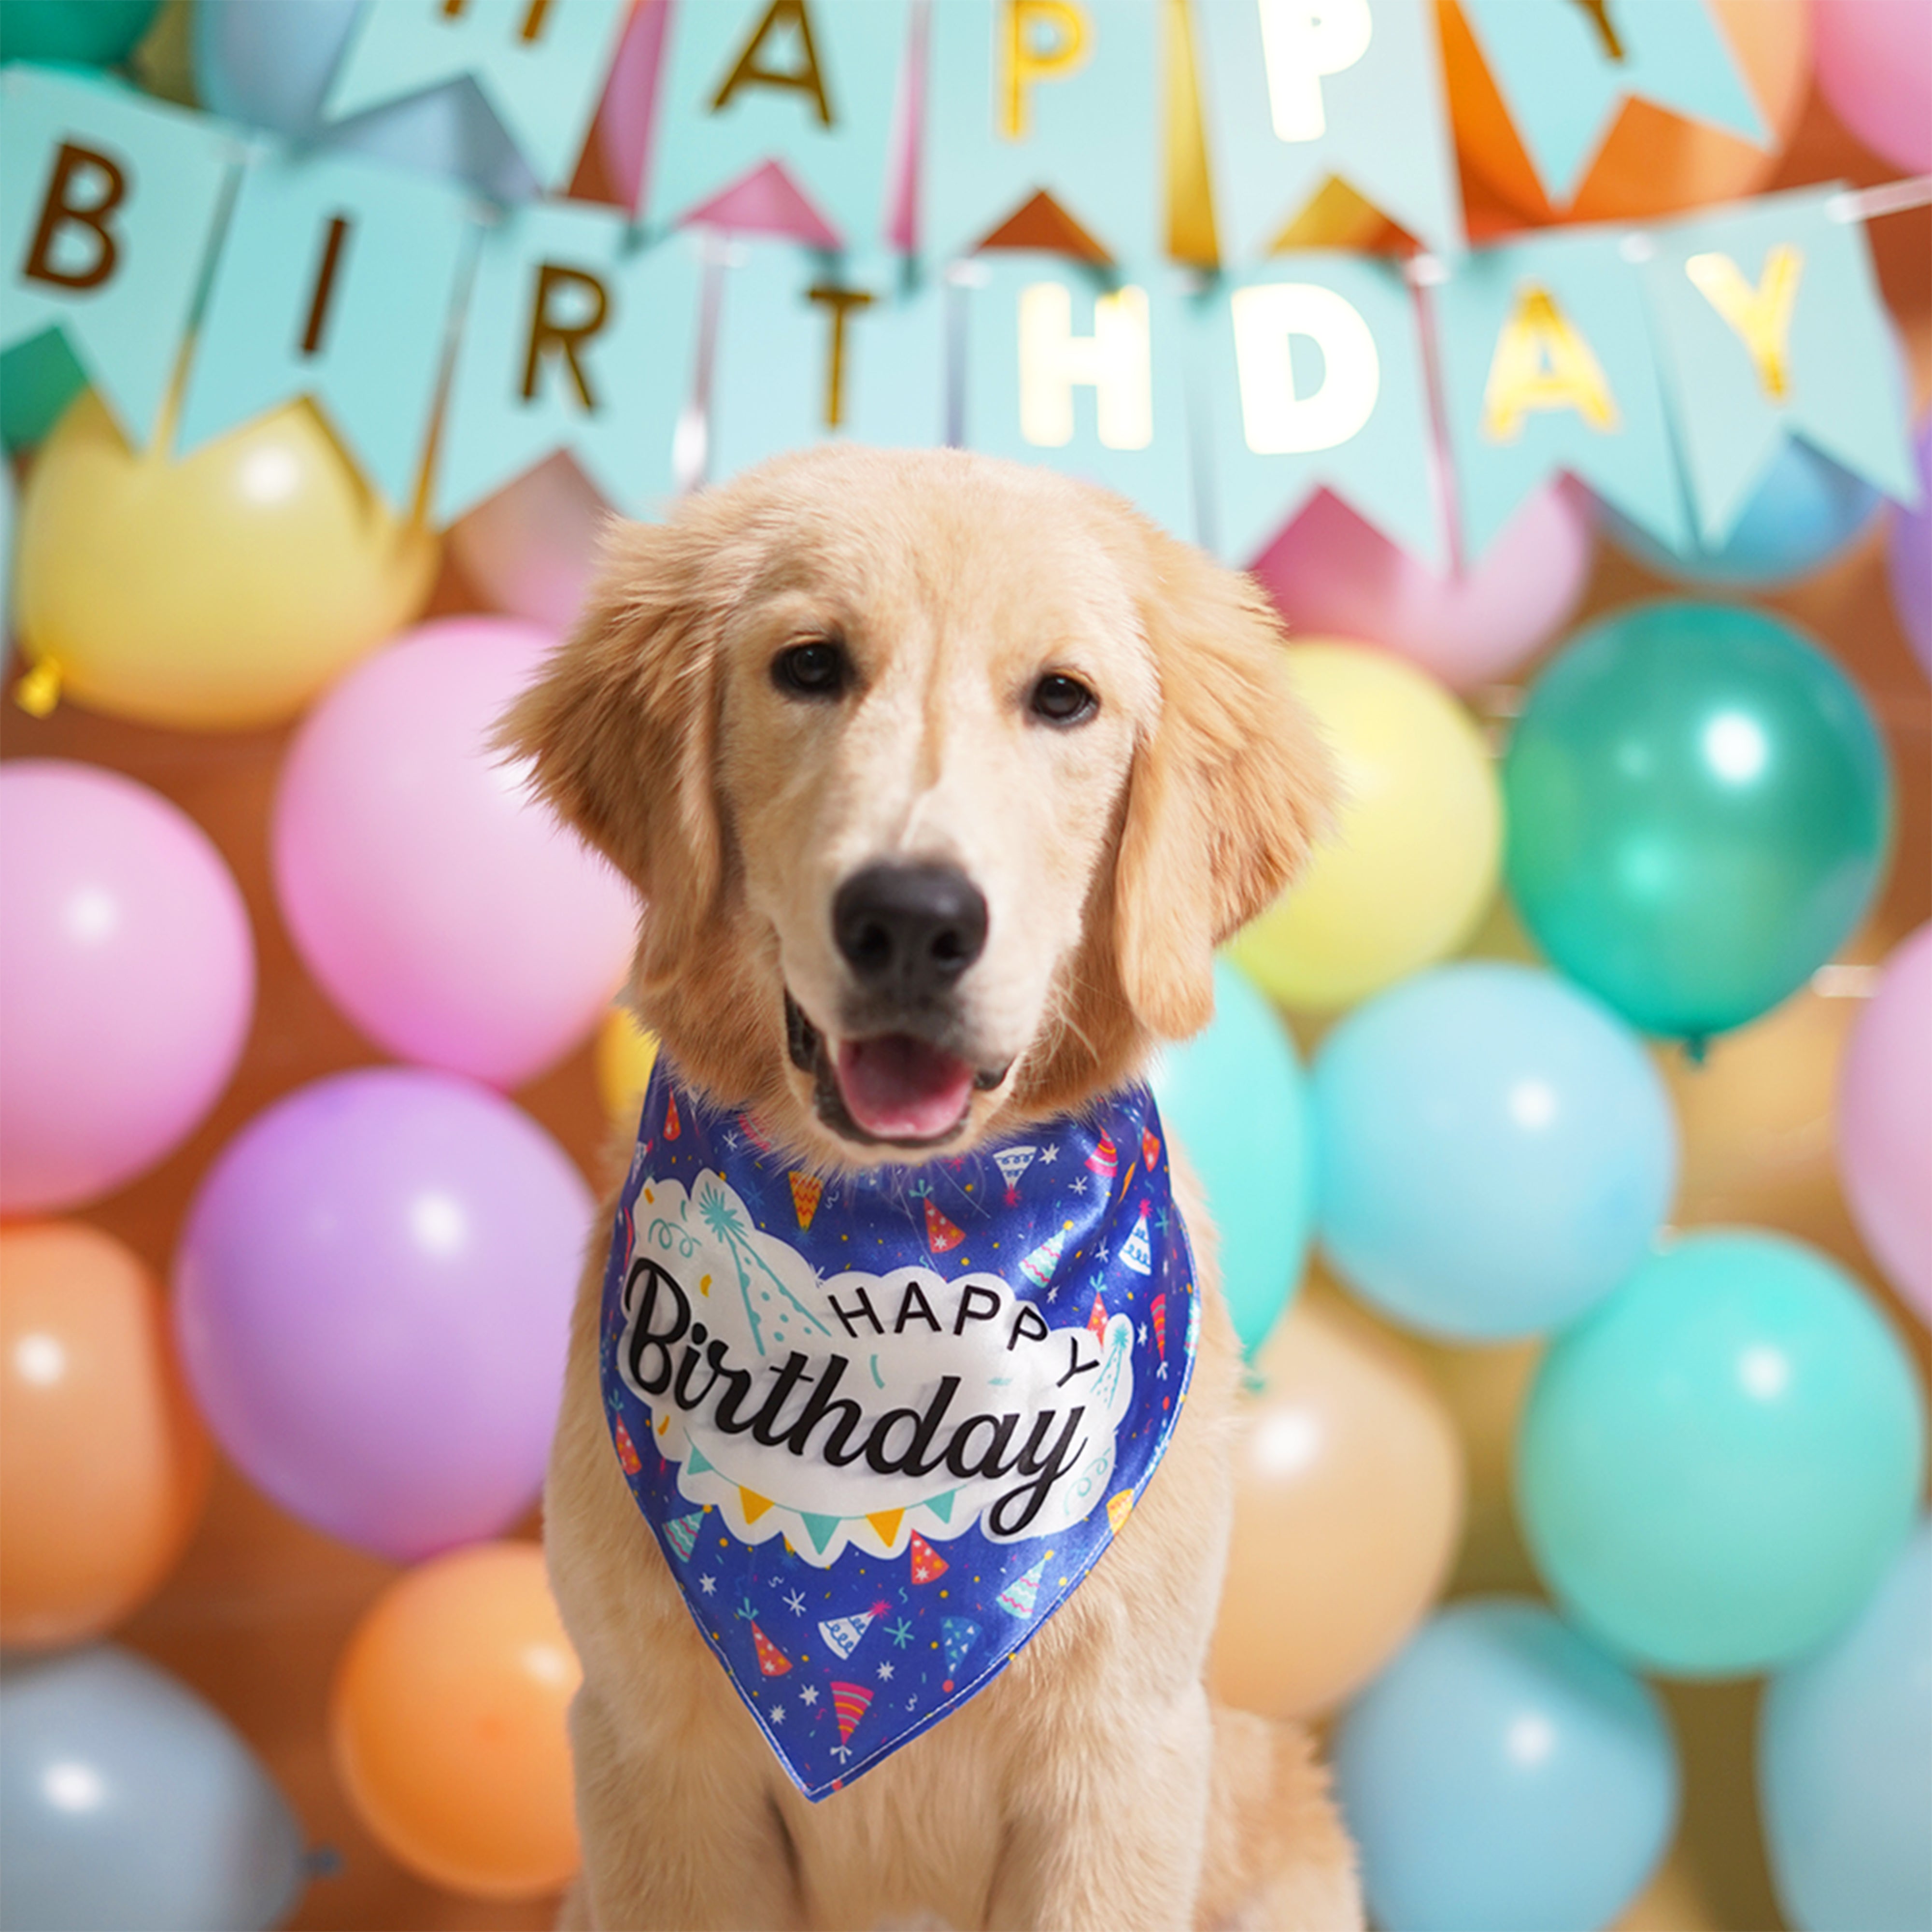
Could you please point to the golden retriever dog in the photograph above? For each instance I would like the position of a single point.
(1066, 741)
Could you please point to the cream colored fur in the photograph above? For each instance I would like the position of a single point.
(1093, 1785)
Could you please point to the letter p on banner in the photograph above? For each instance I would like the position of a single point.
(112, 204)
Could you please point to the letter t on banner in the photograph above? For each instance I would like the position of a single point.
(111, 203)
(573, 340)
(540, 65)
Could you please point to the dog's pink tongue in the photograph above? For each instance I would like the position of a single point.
(902, 1089)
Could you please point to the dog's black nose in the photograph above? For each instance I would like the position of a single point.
(909, 930)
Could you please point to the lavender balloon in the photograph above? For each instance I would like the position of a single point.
(1910, 556)
(372, 1299)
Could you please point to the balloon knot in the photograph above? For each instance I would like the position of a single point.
(322, 1861)
(38, 689)
(1697, 1048)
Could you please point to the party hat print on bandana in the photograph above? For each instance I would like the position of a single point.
(877, 1429)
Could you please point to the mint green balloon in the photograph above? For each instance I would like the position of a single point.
(96, 33)
(1699, 812)
(1716, 1465)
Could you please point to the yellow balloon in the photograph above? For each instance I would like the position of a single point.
(217, 593)
(625, 1054)
(1413, 862)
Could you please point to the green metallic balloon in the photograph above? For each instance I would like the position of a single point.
(1700, 811)
(96, 33)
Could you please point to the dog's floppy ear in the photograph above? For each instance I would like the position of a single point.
(619, 728)
(1228, 792)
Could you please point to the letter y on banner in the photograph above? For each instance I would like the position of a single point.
(111, 203)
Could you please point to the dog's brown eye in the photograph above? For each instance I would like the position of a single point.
(816, 670)
(1061, 699)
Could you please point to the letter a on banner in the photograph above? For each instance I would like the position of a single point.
(111, 203)
(540, 65)
(335, 281)
(1296, 92)
(1770, 325)
(1059, 97)
(812, 85)
(574, 339)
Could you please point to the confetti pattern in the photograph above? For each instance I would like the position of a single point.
(848, 1635)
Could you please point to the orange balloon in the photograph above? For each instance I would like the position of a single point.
(103, 1463)
(447, 1723)
(1654, 162)
(1348, 1504)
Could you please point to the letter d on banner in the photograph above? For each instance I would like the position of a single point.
(1275, 420)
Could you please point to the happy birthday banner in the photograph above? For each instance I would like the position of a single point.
(452, 345)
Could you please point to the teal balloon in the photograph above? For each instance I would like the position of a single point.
(1716, 1465)
(1502, 1774)
(95, 33)
(1700, 811)
(1496, 1150)
(1805, 511)
(126, 1801)
(38, 379)
(1234, 1098)
(1844, 1766)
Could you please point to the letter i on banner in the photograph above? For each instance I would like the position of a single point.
(812, 349)
(1082, 372)
(1296, 92)
(574, 338)
(811, 85)
(540, 65)
(1058, 97)
(1770, 325)
(336, 281)
(1547, 366)
(112, 203)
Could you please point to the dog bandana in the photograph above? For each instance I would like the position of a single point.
(882, 1425)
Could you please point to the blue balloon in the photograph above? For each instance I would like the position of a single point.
(1806, 509)
(269, 66)
(1235, 1100)
(1715, 1467)
(1504, 1775)
(1845, 1766)
(1496, 1150)
(126, 1801)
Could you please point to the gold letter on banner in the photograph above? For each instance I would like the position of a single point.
(1301, 41)
(840, 301)
(1117, 359)
(1274, 419)
(1026, 61)
(552, 331)
(1761, 315)
(58, 212)
(805, 77)
(1542, 363)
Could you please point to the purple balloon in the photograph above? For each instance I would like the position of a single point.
(1884, 1121)
(127, 981)
(1909, 557)
(372, 1300)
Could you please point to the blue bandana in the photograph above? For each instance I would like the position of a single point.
(883, 1425)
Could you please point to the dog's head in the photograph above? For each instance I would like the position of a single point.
(940, 778)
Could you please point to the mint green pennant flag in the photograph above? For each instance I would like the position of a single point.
(112, 204)
(540, 65)
(1061, 99)
(812, 85)
(1312, 378)
(812, 348)
(1083, 372)
(574, 338)
(336, 280)
(1294, 93)
(1547, 366)
(1770, 325)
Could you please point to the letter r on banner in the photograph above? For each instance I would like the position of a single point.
(1116, 361)
(1761, 315)
(567, 306)
(1302, 42)
(1275, 421)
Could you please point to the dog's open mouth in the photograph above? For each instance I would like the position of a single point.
(892, 1086)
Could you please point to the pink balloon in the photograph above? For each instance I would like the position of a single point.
(1332, 574)
(1874, 61)
(530, 548)
(445, 911)
(1884, 1121)
(127, 981)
